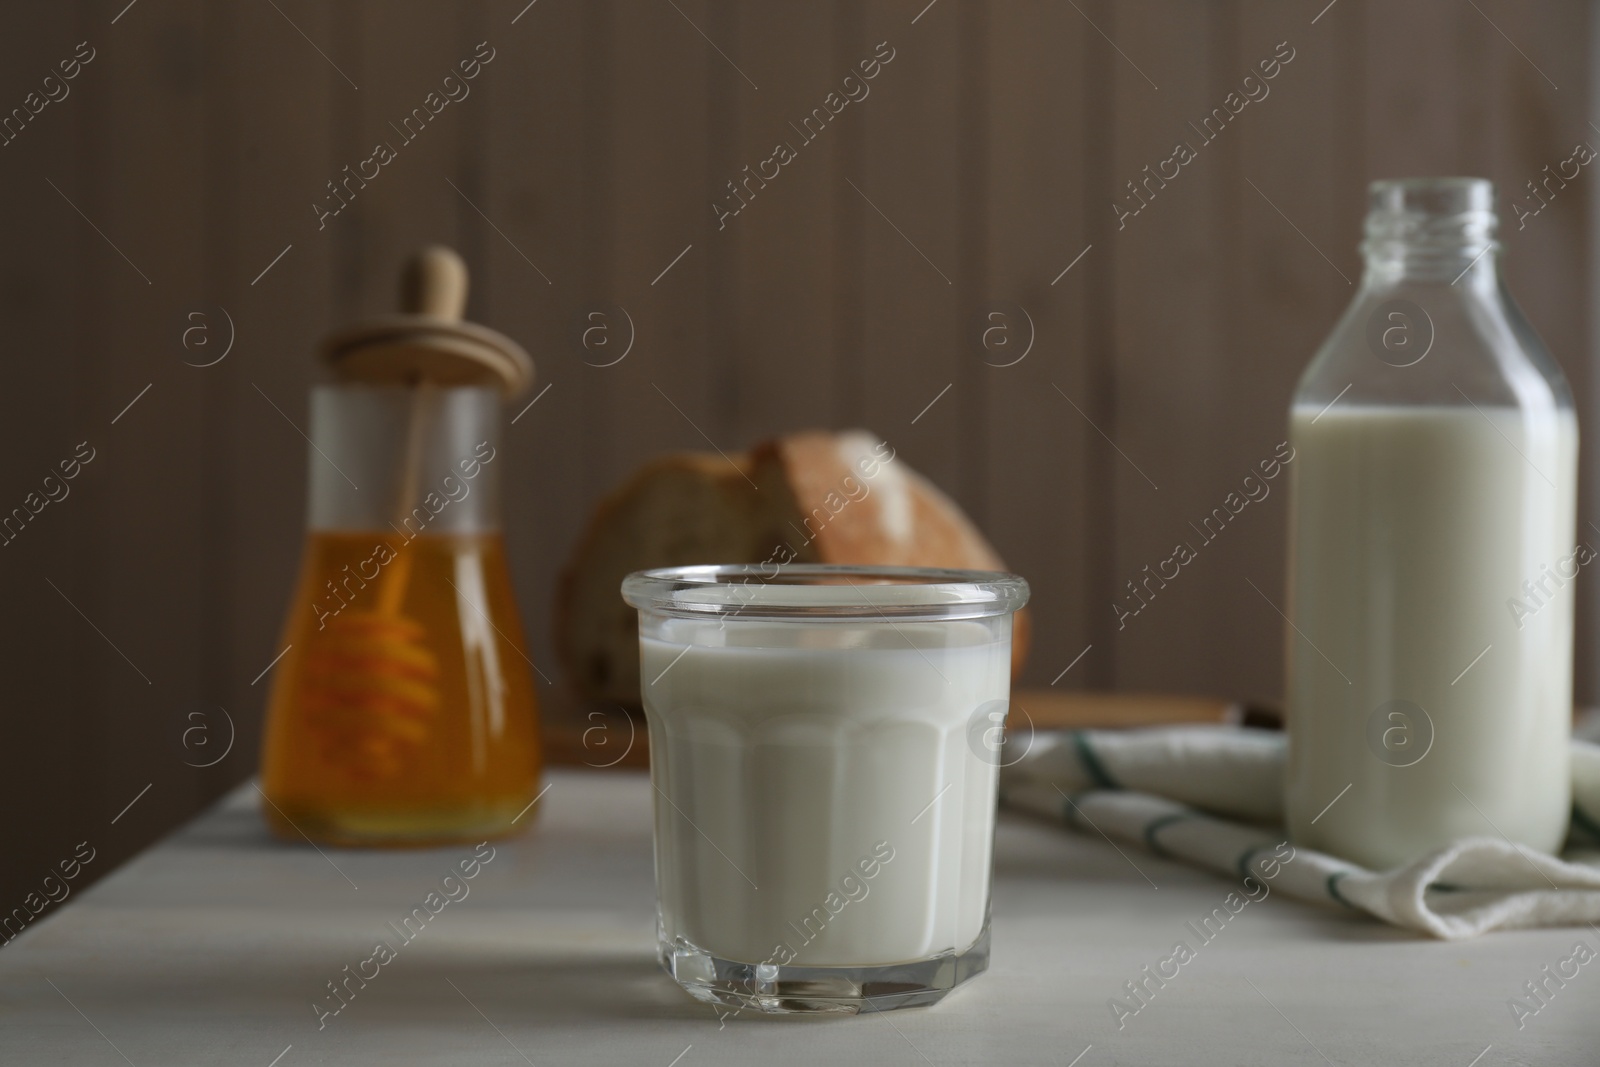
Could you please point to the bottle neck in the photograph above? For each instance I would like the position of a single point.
(1431, 231)
(1469, 267)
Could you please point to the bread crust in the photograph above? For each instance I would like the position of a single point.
(824, 497)
(821, 470)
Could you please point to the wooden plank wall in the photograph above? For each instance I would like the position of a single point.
(890, 277)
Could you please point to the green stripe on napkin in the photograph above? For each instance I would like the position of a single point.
(1333, 889)
(1160, 824)
(1091, 762)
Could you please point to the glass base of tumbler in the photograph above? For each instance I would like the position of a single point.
(788, 989)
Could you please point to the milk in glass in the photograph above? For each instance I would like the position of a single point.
(824, 760)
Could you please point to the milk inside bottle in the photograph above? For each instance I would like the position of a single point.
(1433, 554)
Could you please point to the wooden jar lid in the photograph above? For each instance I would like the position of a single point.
(427, 341)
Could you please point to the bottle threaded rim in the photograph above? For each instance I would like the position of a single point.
(1430, 216)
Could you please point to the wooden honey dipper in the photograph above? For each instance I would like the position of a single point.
(371, 681)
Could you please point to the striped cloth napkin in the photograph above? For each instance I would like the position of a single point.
(1213, 796)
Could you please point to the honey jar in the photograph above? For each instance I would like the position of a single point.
(403, 711)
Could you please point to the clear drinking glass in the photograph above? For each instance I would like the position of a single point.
(821, 747)
(1432, 555)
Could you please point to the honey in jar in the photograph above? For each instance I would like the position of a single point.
(403, 711)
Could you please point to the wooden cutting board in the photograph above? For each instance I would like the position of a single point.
(605, 738)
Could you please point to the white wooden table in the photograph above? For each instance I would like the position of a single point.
(212, 947)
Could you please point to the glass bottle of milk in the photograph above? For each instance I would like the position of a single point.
(1432, 551)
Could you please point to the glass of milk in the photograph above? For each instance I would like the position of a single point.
(1433, 551)
(824, 747)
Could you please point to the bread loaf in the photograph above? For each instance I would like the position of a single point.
(812, 497)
